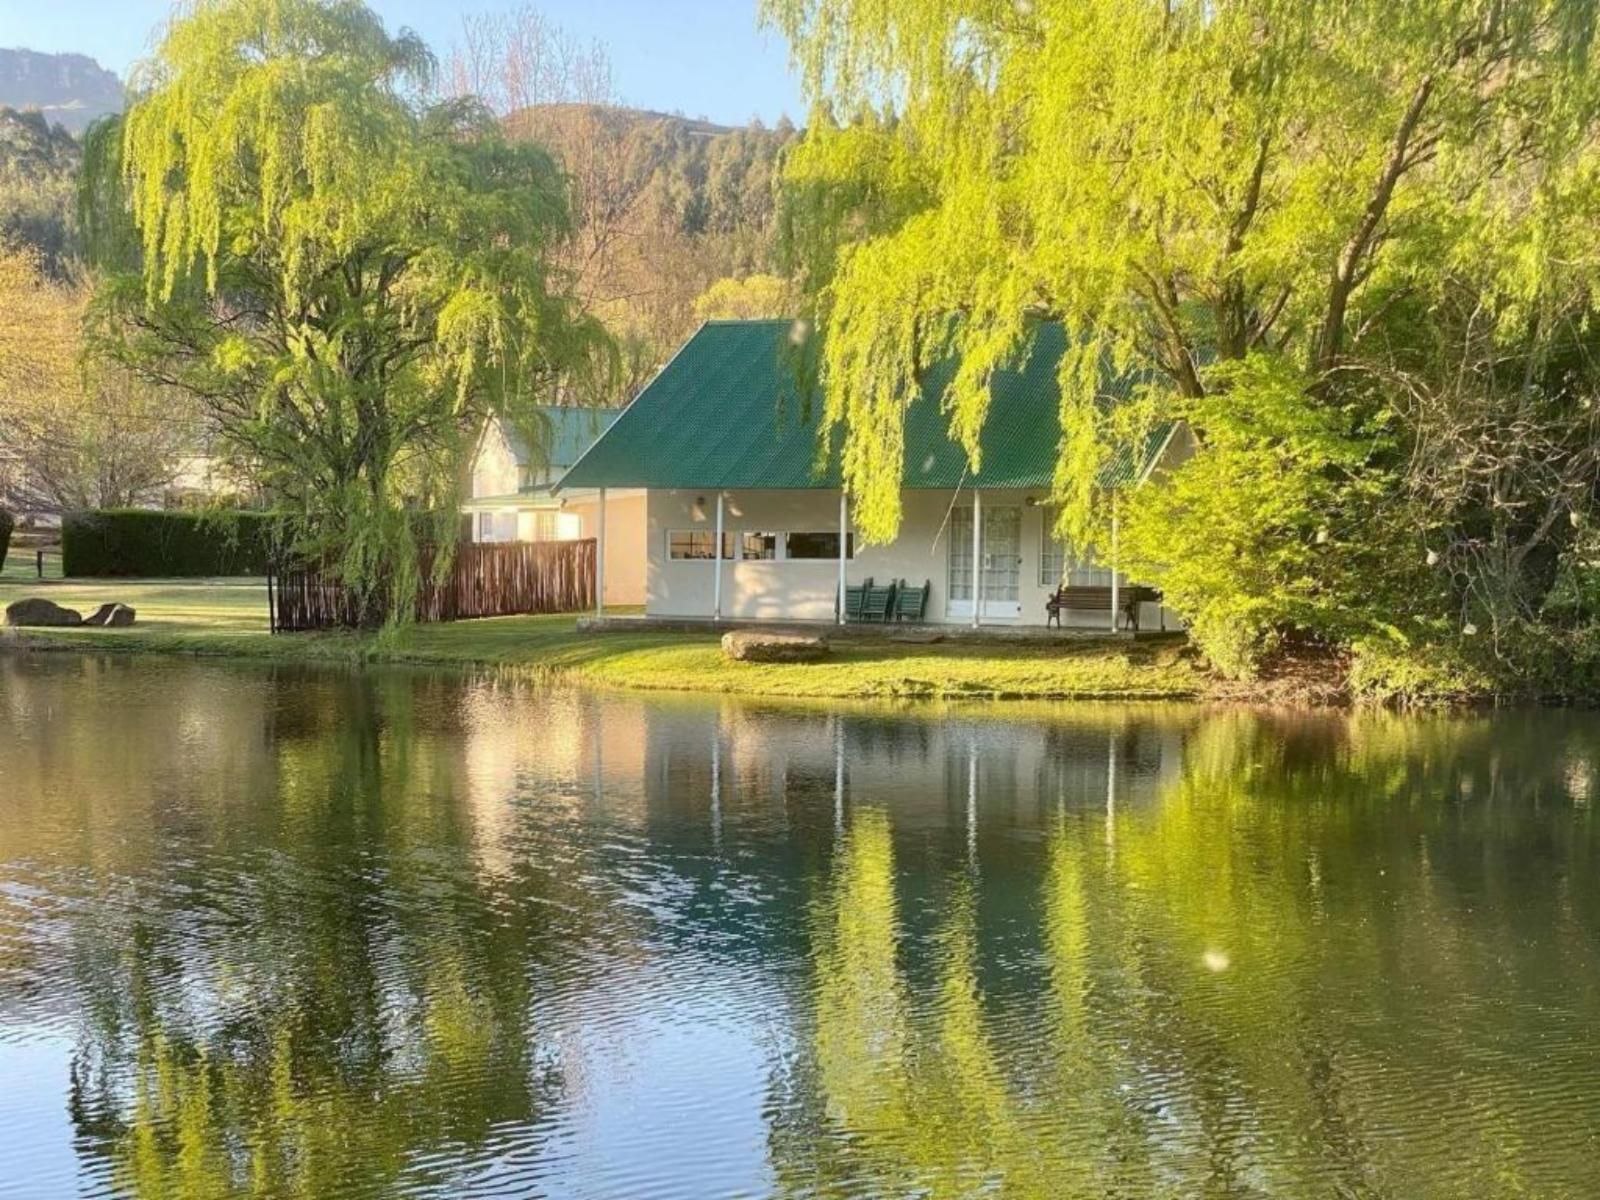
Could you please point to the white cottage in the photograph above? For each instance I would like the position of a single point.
(743, 523)
(513, 498)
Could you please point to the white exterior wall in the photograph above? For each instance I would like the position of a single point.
(494, 470)
(625, 540)
(806, 591)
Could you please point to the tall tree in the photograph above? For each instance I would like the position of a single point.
(350, 279)
(1189, 184)
(76, 433)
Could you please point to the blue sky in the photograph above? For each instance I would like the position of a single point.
(704, 57)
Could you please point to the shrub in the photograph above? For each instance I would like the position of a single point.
(7, 524)
(1422, 673)
(155, 545)
(1269, 529)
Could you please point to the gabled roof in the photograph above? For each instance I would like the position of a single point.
(563, 433)
(726, 413)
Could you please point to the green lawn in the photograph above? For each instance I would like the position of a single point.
(229, 617)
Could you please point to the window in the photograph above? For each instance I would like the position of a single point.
(1058, 563)
(758, 547)
(804, 546)
(546, 526)
(497, 527)
(696, 544)
(1053, 556)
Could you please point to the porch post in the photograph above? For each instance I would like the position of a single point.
(1114, 586)
(844, 543)
(977, 558)
(600, 560)
(716, 559)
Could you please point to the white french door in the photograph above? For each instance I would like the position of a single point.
(1001, 553)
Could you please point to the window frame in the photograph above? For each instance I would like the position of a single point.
(710, 535)
(790, 534)
(742, 545)
(1050, 543)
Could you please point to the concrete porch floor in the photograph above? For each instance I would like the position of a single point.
(867, 631)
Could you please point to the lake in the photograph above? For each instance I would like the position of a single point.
(399, 934)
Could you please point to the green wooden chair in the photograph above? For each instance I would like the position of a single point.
(878, 603)
(911, 603)
(855, 600)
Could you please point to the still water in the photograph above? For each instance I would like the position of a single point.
(268, 932)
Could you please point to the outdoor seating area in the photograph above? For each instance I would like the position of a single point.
(896, 602)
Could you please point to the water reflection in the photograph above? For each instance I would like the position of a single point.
(389, 934)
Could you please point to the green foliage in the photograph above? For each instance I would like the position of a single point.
(7, 524)
(1435, 671)
(1260, 529)
(350, 281)
(1394, 202)
(754, 297)
(38, 168)
(141, 543)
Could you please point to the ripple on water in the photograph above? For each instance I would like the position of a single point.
(391, 935)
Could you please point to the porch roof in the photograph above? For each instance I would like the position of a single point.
(533, 499)
(726, 412)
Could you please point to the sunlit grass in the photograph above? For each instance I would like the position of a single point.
(229, 617)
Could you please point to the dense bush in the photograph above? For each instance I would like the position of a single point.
(137, 542)
(7, 524)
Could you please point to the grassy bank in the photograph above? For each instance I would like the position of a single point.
(228, 618)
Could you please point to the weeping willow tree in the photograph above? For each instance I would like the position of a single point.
(1277, 195)
(350, 280)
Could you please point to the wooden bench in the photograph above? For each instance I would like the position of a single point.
(1098, 599)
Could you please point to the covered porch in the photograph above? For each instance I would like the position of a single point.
(976, 558)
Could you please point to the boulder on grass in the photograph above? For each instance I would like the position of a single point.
(748, 645)
(37, 611)
(116, 616)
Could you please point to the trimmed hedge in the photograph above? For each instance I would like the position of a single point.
(7, 524)
(163, 545)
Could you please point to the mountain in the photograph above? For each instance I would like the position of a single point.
(38, 171)
(665, 207)
(69, 89)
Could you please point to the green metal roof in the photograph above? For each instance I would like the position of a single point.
(726, 413)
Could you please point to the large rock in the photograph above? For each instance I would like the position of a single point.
(749, 645)
(114, 615)
(38, 611)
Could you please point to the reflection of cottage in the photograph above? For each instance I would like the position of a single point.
(744, 524)
(513, 476)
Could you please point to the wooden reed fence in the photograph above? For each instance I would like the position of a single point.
(486, 580)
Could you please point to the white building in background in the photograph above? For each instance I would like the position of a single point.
(512, 497)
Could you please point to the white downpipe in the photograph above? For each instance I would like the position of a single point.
(716, 559)
(977, 558)
(600, 560)
(844, 542)
(1115, 590)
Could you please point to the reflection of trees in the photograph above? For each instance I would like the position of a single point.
(331, 997)
(1306, 965)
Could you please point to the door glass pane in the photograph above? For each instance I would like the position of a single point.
(961, 555)
(1002, 551)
